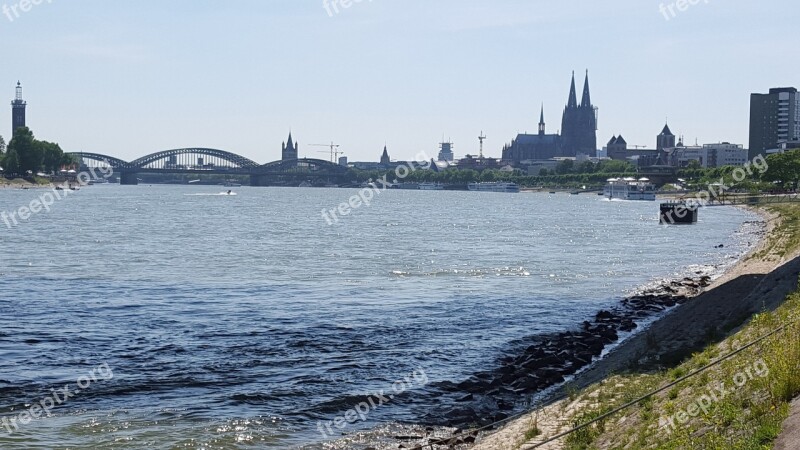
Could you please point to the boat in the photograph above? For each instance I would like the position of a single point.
(231, 183)
(630, 189)
(411, 186)
(431, 187)
(497, 186)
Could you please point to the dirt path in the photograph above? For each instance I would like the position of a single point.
(790, 436)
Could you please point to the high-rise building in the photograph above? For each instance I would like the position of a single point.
(774, 120)
(18, 110)
(289, 149)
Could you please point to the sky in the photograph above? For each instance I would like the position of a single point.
(130, 78)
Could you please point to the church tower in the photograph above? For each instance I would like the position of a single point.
(541, 123)
(385, 157)
(666, 139)
(579, 123)
(18, 110)
(289, 149)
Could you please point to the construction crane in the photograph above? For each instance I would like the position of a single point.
(334, 150)
(481, 138)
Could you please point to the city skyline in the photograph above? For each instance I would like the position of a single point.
(132, 82)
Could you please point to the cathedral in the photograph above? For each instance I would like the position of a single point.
(578, 132)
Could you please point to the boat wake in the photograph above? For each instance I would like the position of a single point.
(220, 194)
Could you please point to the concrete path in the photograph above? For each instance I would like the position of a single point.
(790, 436)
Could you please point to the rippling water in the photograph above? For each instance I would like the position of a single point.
(244, 320)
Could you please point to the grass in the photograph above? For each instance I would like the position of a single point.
(785, 237)
(739, 403)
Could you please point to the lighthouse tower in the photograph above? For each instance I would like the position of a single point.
(18, 110)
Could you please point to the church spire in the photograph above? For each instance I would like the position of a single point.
(541, 121)
(573, 97)
(586, 101)
(385, 160)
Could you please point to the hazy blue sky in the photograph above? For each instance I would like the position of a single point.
(129, 78)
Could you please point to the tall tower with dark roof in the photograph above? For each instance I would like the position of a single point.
(385, 157)
(579, 124)
(289, 149)
(665, 140)
(18, 110)
(541, 123)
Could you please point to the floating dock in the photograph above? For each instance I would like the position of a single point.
(678, 213)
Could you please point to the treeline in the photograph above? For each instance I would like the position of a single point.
(780, 171)
(567, 174)
(27, 155)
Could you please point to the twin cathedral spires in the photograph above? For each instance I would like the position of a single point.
(578, 132)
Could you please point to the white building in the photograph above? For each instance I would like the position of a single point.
(709, 155)
(725, 154)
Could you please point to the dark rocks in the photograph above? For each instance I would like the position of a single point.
(553, 357)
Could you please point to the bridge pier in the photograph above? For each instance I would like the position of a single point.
(128, 179)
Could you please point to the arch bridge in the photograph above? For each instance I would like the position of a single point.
(213, 161)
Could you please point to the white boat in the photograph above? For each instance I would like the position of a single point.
(630, 189)
(497, 186)
(431, 187)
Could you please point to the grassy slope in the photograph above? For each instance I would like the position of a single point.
(758, 385)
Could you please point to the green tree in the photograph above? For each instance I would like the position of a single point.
(694, 165)
(783, 168)
(615, 166)
(28, 152)
(52, 155)
(586, 167)
(2, 145)
(488, 176)
(11, 162)
(564, 167)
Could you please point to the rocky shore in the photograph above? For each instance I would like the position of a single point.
(759, 281)
(491, 396)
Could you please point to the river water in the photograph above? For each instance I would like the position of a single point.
(197, 320)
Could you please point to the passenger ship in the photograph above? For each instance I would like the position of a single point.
(630, 189)
(431, 187)
(498, 186)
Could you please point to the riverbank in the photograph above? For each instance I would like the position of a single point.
(19, 183)
(759, 282)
